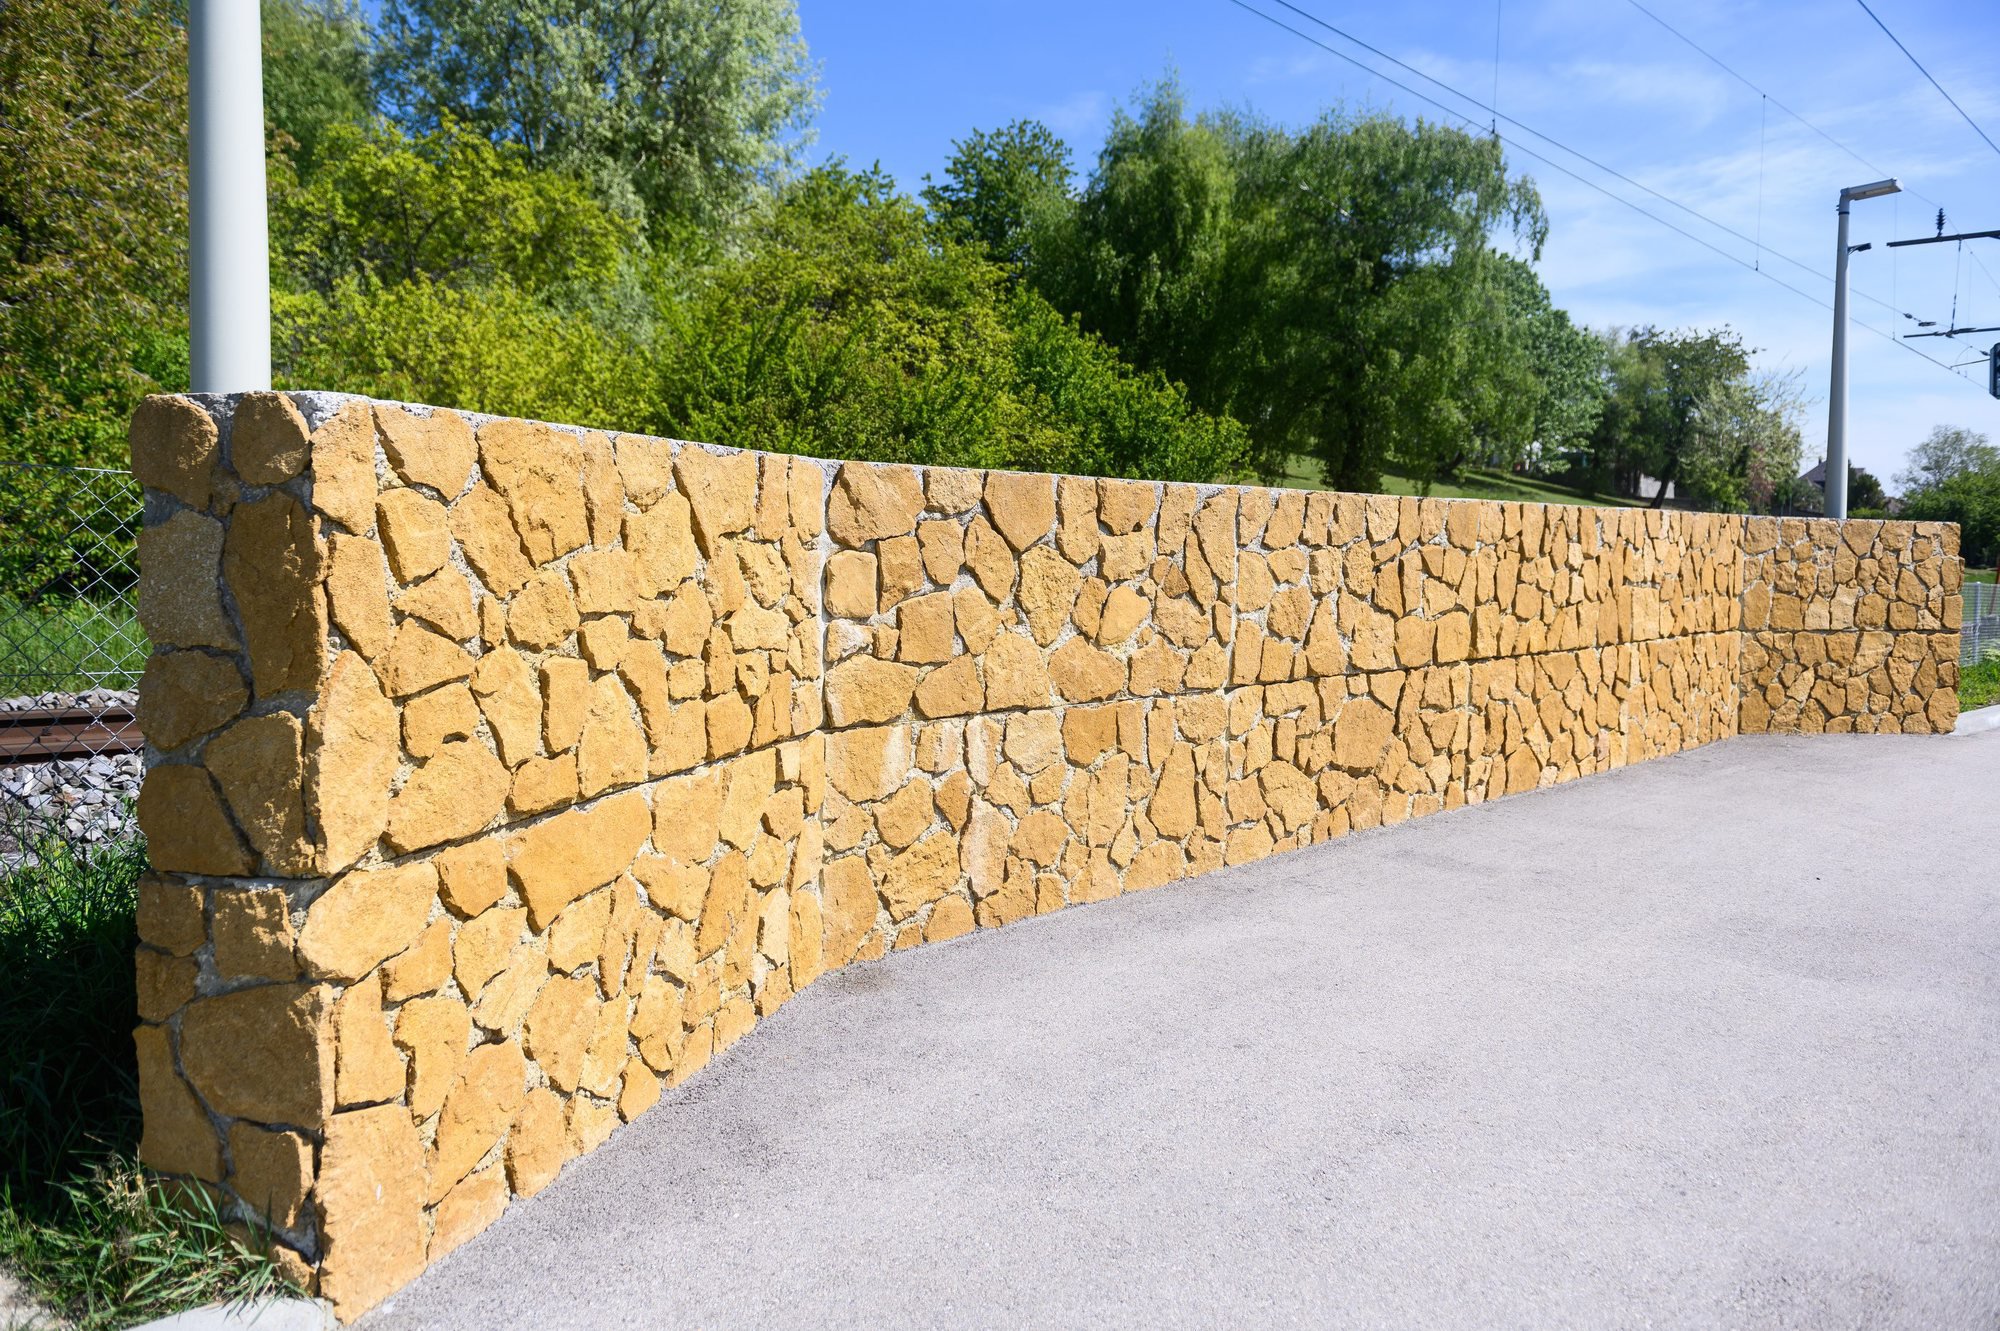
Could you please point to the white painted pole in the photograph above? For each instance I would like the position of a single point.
(1836, 403)
(229, 276)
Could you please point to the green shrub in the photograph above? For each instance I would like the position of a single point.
(87, 1231)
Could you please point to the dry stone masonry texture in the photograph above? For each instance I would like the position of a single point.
(500, 774)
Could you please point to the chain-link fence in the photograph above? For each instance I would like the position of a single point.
(71, 651)
(1980, 632)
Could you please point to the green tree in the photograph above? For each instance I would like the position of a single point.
(1567, 364)
(93, 223)
(1972, 500)
(447, 207)
(680, 108)
(998, 184)
(1948, 451)
(851, 328)
(316, 71)
(1335, 289)
(1653, 421)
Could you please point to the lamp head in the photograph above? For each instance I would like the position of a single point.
(1874, 191)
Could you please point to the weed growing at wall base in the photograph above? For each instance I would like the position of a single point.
(79, 1224)
(1979, 684)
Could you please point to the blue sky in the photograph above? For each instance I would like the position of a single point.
(902, 79)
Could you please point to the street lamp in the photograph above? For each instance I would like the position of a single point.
(229, 275)
(1836, 407)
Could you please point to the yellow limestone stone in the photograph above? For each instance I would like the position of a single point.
(173, 445)
(259, 763)
(435, 450)
(484, 528)
(555, 862)
(267, 439)
(186, 694)
(353, 759)
(357, 591)
(343, 466)
(365, 918)
(1022, 506)
(180, 603)
(414, 532)
(721, 490)
(186, 829)
(253, 935)
(271, 561)
(454, 794)
(178, 1136)
(263, 1053)
(370, 1194)
(871, 501)
(539, 470)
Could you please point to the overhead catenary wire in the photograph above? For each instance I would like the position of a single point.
(1927, 74)
(1556, 143)
(1465, 122)
(1747, 82)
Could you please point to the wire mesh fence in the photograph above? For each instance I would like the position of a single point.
(1980, 632)
(71, 652)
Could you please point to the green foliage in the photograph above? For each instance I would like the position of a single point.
(446, 207)
(1565, 364)
(1972, 500)
(681, 109)
(87, 1231)
(1666, 411)
(1947, 452)
(852, 329)
(317, 71)
(68, 1094)
(492, 348)
(1334, 288)
(1979, 683)
(999, 184)
(93, 219)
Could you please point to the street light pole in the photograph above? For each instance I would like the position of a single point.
(229, 276)
(1836, 406)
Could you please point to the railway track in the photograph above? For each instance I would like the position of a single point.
(41, 735)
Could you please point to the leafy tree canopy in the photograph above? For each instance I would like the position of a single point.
(998, 184)
(680, 109)
(1948, 451)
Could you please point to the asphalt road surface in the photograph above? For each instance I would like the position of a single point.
(1708, 1042)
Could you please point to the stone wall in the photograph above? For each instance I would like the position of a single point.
(500, 774)
(1850, 626)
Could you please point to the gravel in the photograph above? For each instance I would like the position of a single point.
(85, 800)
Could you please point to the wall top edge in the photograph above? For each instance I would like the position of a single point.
(318, 405)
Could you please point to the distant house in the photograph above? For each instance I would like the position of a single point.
(1808, 496)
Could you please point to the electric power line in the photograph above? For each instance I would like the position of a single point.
(1730, 70)
(1799, 264)
(1583, 180)
(1927, 74)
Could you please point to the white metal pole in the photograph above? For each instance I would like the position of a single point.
(229, 277)
(1836, 406)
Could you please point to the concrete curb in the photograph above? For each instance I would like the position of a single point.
(282, 1314)
(1978, 721)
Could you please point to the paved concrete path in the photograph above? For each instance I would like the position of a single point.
(1708, 1042)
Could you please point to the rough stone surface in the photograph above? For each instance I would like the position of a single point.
(366, 917)
(178, 1137)
(268, 444)
(370, 1197)
(180, 602)
(185, 825)
(259, 762)
(352, 761)
(186, 694)
(173, 445)
(230, 1043)
(272, 562)
(663, 755)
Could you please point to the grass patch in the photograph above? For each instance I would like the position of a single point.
(1979, 683)
(80, 1225)
(1303, 473)
(1979, 575)
(70, 646)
